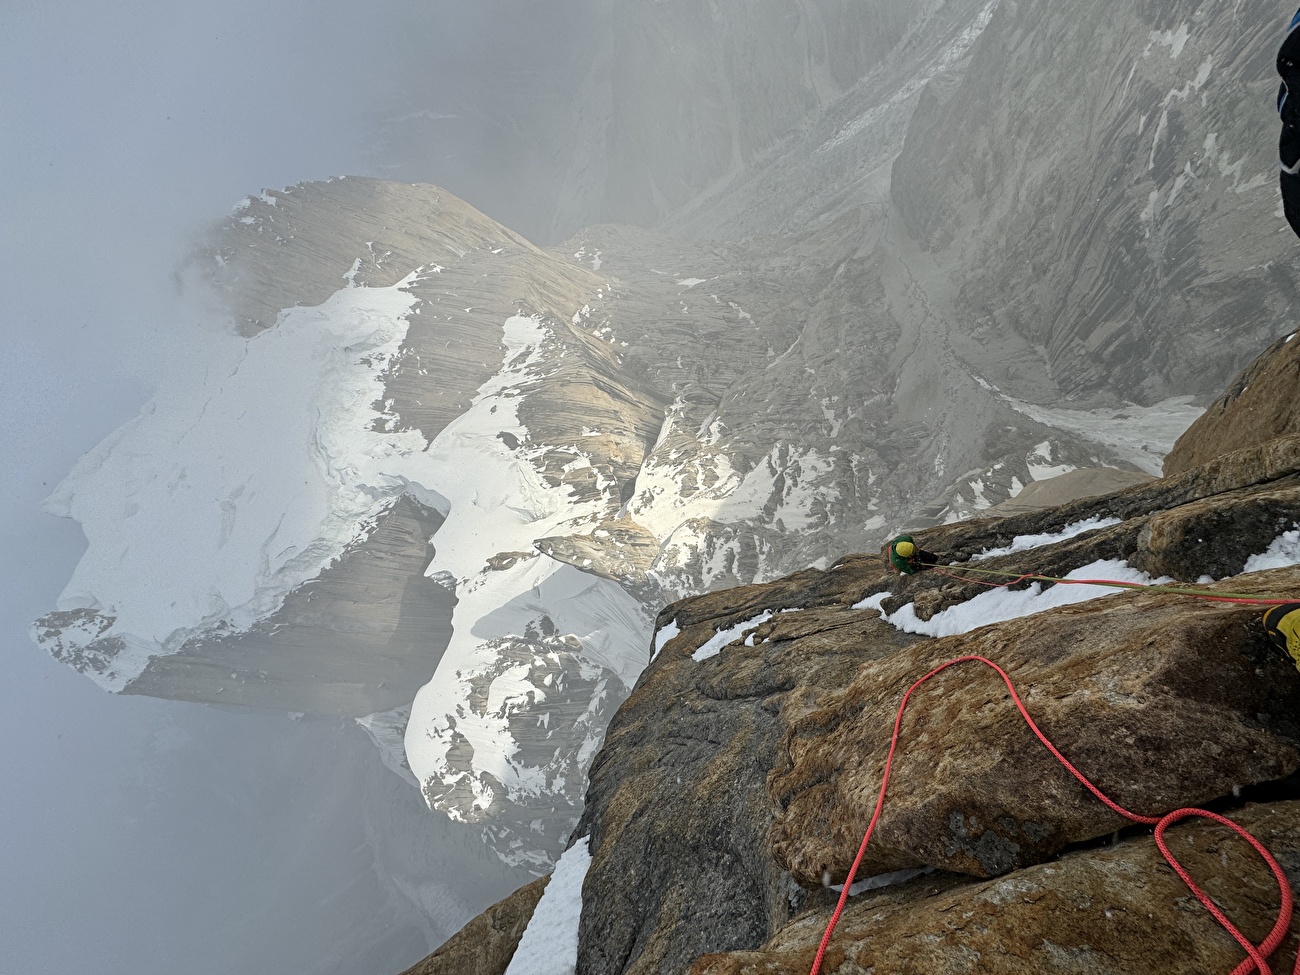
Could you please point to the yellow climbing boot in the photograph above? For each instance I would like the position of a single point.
(1282, 624)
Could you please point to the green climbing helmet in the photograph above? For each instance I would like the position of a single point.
(902, 552)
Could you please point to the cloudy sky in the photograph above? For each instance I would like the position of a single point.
(143, 835)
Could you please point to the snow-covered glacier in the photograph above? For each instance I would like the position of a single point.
(254, 466)
(440, 481)
(259, 464)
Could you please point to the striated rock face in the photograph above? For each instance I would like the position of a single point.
(683, 95)
(1259, 405)
(1115, 909)
(836, 163)
(366, 628)
(1102, 186)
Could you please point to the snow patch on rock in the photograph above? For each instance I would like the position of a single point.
(549, 945)
(1023, 543)
(713, 646)
(1284, 551)
(999, 605)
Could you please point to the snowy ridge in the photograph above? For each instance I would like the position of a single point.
(250, 470)
(523, 632)
(259, 464)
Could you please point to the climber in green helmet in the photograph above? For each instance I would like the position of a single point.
(907, 557)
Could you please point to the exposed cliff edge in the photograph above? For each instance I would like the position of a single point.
(738, 777)
(444, 479)
(1260, 404)
(915, 259)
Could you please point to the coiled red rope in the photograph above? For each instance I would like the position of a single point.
(1257, 955)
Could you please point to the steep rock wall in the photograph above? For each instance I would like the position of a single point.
(1258, 406)
(1162, 700)
(685, 93)
(1101, 184)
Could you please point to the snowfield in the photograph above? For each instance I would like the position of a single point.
(246, 474)
(253, 470)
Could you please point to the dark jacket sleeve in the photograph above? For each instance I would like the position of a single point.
(1288, 108)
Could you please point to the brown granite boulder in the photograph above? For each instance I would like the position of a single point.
(1163, 701)
(1117, 910)
(1215, 536)
(1260, 405)
(486, 945)
(677, 809)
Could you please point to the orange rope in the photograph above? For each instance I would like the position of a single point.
(1257, 955)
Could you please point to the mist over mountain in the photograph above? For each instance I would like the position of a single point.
(761, 288)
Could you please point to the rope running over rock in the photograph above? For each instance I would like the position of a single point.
(1257, 955)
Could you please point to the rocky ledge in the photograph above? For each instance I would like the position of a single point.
(736, 781)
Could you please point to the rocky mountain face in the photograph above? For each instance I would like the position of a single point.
(1101, 187)
(736, 781)
(536, 450)
(1086, 199)
(682, 96)
(1258, 405)
(905, 261)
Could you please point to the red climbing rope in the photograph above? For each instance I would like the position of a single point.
(1257, 955)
